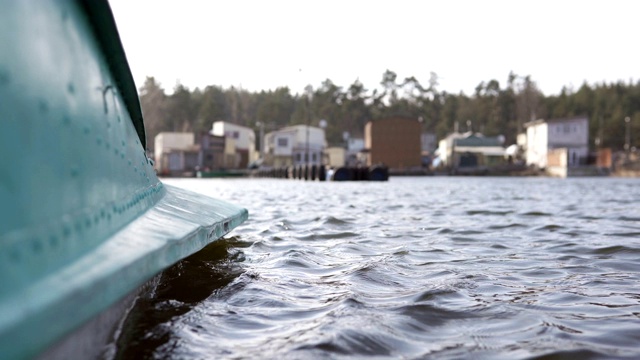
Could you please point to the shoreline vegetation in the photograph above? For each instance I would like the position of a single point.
(493, 109)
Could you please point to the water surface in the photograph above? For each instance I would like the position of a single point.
(417, 267)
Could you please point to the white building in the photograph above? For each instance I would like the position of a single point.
(428, 143)
(543, 136)
(471, 151)
(243, 137)
(174, 152)
(355, 145)
(445, 147)
(353, 157)
(294, 145)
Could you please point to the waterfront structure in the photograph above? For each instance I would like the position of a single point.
(212, 152)
(175, 153)
(354, 152)
(544, 138)
(335, 156)
(394, 142)
(243, 138)
(445, 148)
(182, 153)
(428, 143)
(294, 145)
(471, 152)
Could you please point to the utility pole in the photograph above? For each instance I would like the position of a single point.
(262, 147)
(309, 91)
(627, 138)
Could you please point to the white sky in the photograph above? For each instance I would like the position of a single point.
(261, 45)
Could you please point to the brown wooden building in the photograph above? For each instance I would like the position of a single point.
(394, 142)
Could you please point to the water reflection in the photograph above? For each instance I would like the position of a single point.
(150, 324)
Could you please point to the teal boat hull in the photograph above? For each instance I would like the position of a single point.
(84, 220)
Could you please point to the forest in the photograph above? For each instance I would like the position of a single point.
(493, 109)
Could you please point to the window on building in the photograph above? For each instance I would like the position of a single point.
(298, 157)
(283, 142)
(313, 157)
(232, 134)
(567, 128)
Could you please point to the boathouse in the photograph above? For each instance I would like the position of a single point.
(394, 142)
(183, 153)
(545, 138)
(471, 153)
(294, 145)
(243, 138)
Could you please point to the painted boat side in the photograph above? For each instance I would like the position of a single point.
(84, 220)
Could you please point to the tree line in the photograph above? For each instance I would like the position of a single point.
(493, 109)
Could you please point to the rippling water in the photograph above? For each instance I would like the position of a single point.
(422, 267)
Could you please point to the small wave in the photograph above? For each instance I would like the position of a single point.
(462, 239)
(296, 263)
(616, 249)
(542, 273)
(425, 316)
(469, 232)
(536, 213)
(353, 342)
(275, 243)
(331, 220)
(506, 226)
(489, 212)
(582, 354)
(633, 234)
(589, 217)
(435, 295)
(499, 247)
(621, 266)
(629, 218)
(319, 234)
(550, 227)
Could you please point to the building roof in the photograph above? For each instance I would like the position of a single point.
(232, 125)
(294, 129)
(300, 126)
(560, 120)
(477, 140)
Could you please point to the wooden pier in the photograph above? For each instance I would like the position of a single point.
(324, 173)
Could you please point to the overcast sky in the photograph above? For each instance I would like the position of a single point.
(262, 45)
